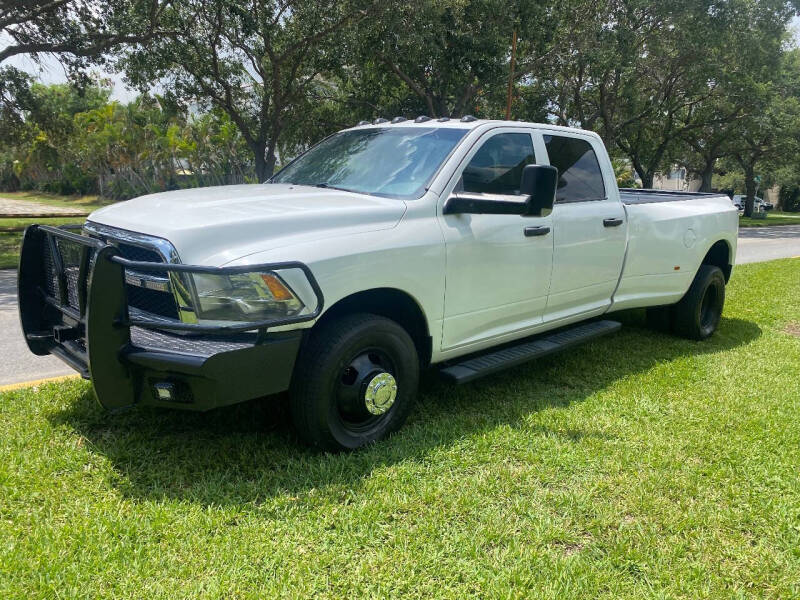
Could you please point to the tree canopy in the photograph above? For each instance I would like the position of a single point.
(682, 82)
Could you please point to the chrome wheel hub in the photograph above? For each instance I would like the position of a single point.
(380, 393)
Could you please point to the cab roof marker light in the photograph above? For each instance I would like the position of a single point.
(360, 123)
(398, 120)
(442, 119)
(468, 119)
(380, 120)
(422, 119)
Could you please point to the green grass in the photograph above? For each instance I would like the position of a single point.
(18, 225)
(774, 217)
(640, 465)
(86, 203)
(11, 228)
(11, 236)
(9, 249)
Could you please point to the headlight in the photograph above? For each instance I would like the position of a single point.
(244, 297)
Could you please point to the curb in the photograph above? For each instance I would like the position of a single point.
(24, 384)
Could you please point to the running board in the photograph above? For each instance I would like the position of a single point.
(511, 356)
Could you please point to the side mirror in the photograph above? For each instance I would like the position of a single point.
(537, 194)
(539, 183)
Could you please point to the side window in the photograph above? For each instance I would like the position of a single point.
(497, 167)
(579, 175)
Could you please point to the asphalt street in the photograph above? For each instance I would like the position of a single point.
(18, 365)
(757, 244)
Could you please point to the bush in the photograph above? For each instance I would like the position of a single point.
(790, 198)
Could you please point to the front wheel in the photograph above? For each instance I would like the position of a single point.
(354, 383)
(698, 313)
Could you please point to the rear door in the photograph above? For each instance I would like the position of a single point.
(589, 226)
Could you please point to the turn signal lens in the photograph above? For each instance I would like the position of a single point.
(276, 288)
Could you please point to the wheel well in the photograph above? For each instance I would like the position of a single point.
(719, 255)
(393, 304)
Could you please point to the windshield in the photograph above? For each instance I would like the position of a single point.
(397, 162)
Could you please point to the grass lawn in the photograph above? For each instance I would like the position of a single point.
(640, 465)
(11, 229)
(9, 249)
(11, 236)
(774, 217)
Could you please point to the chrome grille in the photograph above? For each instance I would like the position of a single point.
(150, 293)
(138, 253)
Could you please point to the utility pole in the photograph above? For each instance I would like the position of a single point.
(511, 74)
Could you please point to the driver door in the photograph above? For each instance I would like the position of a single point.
(498, 266)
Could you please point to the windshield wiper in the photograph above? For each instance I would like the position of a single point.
(325, 185)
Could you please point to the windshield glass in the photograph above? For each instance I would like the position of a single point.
(397, 162)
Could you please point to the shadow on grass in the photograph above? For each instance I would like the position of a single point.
(248, 453)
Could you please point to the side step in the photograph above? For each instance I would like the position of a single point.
(511, 356)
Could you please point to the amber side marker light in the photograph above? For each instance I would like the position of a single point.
(677, 268)
(278, 290)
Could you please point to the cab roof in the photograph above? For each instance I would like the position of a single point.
(467, 123)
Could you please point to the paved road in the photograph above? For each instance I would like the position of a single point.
(17, 364)
(14, 207)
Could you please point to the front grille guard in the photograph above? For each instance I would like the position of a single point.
(70, 259)
(73, 303)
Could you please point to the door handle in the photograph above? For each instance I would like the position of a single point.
(614, 222)
(536, 231)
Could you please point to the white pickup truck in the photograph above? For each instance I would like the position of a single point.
(389, 247)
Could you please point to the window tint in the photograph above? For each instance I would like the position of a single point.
(579, 176)
(497, 167)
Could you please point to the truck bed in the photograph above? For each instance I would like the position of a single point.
(668, 235)
(635, 196)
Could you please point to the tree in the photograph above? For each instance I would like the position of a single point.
(258, 61)
(77, 28)
(80, 32)
(41, 144)
(770, 134)
(749, 60)
(451, 57)
(15, 93)
(644, 74)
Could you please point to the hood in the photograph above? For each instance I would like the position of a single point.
(213, 226)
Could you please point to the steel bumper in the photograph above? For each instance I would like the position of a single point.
(73, 304)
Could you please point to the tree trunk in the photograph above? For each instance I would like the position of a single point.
(750, 188)
(707, 175)
(263, 170)
(645, 175)
(271, 158)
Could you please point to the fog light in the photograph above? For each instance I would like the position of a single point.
(164, 391)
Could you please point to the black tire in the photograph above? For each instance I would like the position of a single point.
(698, 313)
(340, 366)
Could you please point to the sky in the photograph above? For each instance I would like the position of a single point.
(49, 70)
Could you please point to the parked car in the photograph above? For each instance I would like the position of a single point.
(464, 245)
(758, 204)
